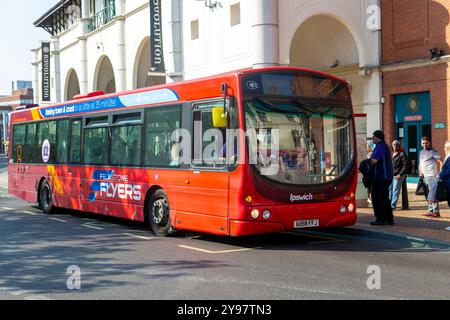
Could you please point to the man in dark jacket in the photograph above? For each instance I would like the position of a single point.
(399, 166)
(382, 178)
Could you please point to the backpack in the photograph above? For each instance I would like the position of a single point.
(408, 165)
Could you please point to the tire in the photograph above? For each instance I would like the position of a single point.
(46, 198)
(158, 214)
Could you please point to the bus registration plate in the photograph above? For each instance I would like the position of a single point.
(306, 224)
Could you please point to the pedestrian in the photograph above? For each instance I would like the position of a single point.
(429, 169)
(369, 187)
(399, 167)
(445, 175)
(381, 162)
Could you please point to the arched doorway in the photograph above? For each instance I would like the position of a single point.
(104, 76)
(324, 43)
(72, 85)
(141, 79)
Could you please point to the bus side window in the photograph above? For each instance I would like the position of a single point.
(30, 154)
(75, 142)
(161, 123)
(62, 142)
(18, 142)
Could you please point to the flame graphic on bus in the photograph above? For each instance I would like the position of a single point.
(102, 175)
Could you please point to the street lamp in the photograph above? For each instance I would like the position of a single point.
(212, 4)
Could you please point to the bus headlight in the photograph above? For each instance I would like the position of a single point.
(267, 214)
(343, 209)
(255, 214)
(351, 207)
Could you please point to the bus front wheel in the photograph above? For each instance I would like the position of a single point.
(46, 198)
(159, 214)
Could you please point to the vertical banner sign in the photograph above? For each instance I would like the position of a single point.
(45, 71)
(156, 41)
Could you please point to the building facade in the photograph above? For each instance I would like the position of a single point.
(105, 44)
(415, 68)
(20, 98)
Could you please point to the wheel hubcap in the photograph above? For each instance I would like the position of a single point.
(46, 197)
(160, 211)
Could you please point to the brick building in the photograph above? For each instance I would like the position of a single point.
(416, 74)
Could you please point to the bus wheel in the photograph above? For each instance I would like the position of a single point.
(45, 198)
(159, 214)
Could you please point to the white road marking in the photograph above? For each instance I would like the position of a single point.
(7, 208)
(3, 187)
(218, 252)
(91, 227)
(137, 237)
(59, 220)
(37, 297)
(29, 212)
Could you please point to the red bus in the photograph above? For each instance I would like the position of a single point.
(153, 155)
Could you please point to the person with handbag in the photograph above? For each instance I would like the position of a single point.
(445, 172)
(429, 168)
(400, 168)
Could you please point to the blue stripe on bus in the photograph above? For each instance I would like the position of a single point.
(135, 99)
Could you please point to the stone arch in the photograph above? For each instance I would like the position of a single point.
(323, 42)
(141, 68)
(104, 79)
(72, 87)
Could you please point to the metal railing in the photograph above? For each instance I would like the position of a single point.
(102, 17)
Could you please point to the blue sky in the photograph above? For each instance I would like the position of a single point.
(18, 37)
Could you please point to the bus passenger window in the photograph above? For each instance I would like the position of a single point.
(161, 124)
(18, 143)
(62, 142)
(209, 142)
(75, 142)
(47, 131)
(126, 146)
(96, 146)
(30, 151)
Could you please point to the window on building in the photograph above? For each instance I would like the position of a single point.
(235, 14)
(161, 123)
(195, 30)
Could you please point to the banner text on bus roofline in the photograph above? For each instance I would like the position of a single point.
(137, 99)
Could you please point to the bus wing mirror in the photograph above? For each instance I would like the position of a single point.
(220, 118)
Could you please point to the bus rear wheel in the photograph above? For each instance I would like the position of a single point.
(46, 198)
(159, 214)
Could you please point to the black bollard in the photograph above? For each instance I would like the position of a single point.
(405, 201)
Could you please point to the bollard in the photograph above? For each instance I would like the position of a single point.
(405, 201)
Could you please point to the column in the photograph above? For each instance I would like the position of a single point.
(172, 39)
(56, 69)
(36, 76)
(264, 33)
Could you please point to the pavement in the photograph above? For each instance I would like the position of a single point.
(412, 221)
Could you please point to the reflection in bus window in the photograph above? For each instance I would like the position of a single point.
(96, 146)
(126, 145)
(161, 123)
(75, 142)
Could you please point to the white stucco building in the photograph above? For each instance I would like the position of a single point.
(105, 44)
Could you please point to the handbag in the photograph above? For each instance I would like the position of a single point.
(420, 190)
(441, 191)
